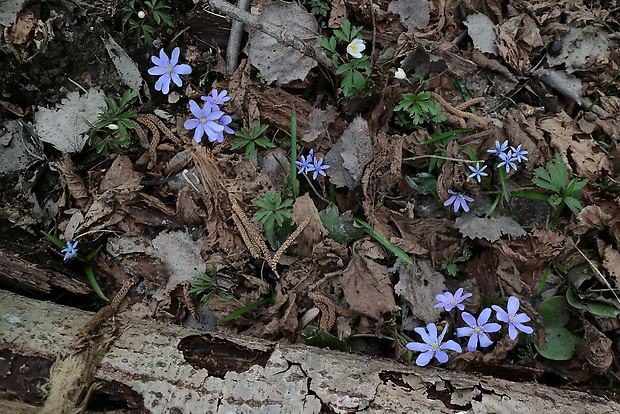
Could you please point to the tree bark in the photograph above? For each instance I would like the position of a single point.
(159, 368)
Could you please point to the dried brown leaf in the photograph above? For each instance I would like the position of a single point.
(275, 61)
(590, 160)
(367, 287)
(314, 233)
(611, 263)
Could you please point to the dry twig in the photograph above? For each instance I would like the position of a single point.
(458, 111)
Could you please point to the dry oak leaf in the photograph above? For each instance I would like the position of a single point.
(589, 158)
(367, 287)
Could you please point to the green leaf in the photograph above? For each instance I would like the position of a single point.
(57, 242)
(559, 344)
(531, 195)
(554, 312)
(573, 204)
(93, 282)
(235, 314)
(250, 149)
(594, 307)
(340, 229)
(264, 143)
(397, 251)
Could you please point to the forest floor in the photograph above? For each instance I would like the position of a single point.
(442, 145)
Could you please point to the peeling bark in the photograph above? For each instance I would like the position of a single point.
(162, 368)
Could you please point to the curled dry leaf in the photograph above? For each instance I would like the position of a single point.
(315, 232)
(599, 353)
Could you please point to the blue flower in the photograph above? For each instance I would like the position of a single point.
(515, 321)
(518, 154)
(70, 251)
(207, 121)
(432, 345)
(477, 171)
(168, 69)
(317, 167)
(216, 98)
(477, 330)
(448, 301)
(306, 162)
(508, 161)
(459, 200)
(499, 148)
(223, 121)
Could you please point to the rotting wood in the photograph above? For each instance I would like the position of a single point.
(34, 273)
(170, 368)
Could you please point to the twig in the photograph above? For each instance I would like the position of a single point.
(458, 112)
(277, 32)
(234, 40)
(439, 157)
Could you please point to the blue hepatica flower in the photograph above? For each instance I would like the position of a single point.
(499, 148)
(217, 98)
(70, 251)
(448, 301)
(458, 200)
(223, 121)
(168, 69)
(508, 161)
(317, 168)
(432, 345)
(207, 121)
(477, 172)
(515, 321)
(478, 330)
(306, 162)
(518, 154)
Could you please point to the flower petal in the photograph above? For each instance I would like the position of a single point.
(469, 318)
(195, 108)
(451, 345)
(176, 79)
(424, 358)
(157, 70)
(472, 344)
(183, 69)
(441, 356)
(484, 316)
(464, 331)
(174, 59)
(513, 305)
(418, 346)
(163, 58)
(191, 124)
(484, 340)
(500, 314)
(491, 327)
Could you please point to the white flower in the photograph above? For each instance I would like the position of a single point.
(400, 74)
(141, 14)
(355, 48)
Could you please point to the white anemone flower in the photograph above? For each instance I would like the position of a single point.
(356, 47)
(400, 74)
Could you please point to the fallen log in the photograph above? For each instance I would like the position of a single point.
(157, 368)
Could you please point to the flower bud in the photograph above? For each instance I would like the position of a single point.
(113, 127)
(141, 14)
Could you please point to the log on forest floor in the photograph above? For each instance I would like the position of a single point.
(159, 368)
